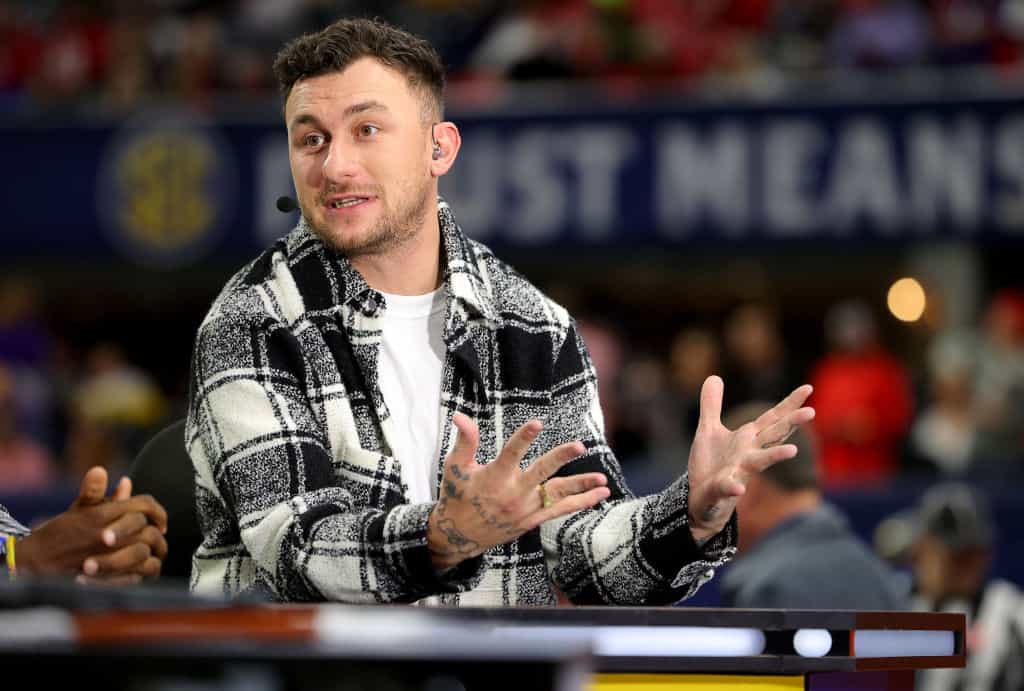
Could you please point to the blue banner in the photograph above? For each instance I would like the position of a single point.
(166, 190)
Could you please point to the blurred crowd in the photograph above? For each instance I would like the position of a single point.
(117, 55)
(65, 407)
(881, 417)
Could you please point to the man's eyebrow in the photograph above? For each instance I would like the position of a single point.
(305, 119)
(362, 107)
(354, 109)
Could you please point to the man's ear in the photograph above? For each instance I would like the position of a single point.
(444, 147)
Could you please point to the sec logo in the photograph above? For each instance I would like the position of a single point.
(166, 191)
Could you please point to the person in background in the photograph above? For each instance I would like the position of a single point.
(25, 464)
(950, 550)
(942, 438)
(115, 540)
(863, 400)
(796, 550)
(999, 389)
(755, 354)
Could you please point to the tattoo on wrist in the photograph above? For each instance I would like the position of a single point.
(459, 542)
(710, 513)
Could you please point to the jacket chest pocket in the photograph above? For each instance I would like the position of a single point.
(373, 478)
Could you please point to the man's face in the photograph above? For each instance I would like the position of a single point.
(359, 149)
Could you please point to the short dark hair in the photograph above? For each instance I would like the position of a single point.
(339, 45)
(794, 474)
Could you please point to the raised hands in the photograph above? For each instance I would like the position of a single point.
(722, 460)
(117, 539)
(480, 506)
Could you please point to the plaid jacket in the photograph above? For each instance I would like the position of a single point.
(299, 496)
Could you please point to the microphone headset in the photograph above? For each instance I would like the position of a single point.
(437, 147)
(287, 204)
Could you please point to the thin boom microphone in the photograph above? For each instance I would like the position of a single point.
(287, 204)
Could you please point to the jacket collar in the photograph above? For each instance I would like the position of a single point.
(464, 275)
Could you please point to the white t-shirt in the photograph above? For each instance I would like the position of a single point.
(409, 373)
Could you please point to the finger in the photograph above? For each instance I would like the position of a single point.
(570, 504)
(558, 488)
(150, 568)
(124, 489)
(466, 443)
(779, 431)
(549, 464)
(711, 401)
(93, 488)
(122, 561)
(764, 458)
(151, 508)
(125, 525)
(155, 539)
(126, 579)
(790, 403)
(140, 503)
(515, 448)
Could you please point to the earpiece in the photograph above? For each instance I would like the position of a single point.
(437, 147)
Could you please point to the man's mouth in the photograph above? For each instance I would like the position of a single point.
(344, 202)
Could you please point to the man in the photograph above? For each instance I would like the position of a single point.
(116, 541)
(796, 550)
(332, 373)
(951, 552)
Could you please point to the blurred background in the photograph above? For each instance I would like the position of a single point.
(777, 191)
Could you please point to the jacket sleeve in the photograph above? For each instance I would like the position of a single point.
(626, 550)
(270, 507)
(9, 526)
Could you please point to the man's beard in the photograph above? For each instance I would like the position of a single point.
(392, 230)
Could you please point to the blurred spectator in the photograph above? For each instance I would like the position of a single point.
(863, 401)
(951, 552)
(25, 349)
(73, 54)
(756, 357)
(963, 31)
(116, 408)
(540, 39)
(1000, 388)
(880, 33)
(19, 49)
(942, 439)
(793, 543)
(800, 29)
(25, 466)
(694, 356)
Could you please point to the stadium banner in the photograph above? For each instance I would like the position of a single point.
(170, 190)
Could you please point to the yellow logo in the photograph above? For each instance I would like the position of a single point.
(163, 176)
(167, 192)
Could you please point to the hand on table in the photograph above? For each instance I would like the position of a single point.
(114, 540)
(480, 506)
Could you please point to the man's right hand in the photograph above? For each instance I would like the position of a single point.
(480, 506)
(121, 537)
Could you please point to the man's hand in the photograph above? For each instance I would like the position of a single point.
(721, 461)
(482, 506)
(120, 538)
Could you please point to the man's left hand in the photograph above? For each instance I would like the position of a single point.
(723, 460)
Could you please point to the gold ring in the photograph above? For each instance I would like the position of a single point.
(545, 500)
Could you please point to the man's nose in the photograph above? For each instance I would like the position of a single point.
(340, 162)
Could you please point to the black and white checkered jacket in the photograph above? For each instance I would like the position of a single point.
(298, 494)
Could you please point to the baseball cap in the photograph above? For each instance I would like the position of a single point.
(957, 514)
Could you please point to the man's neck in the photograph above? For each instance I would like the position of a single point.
(412, 268)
